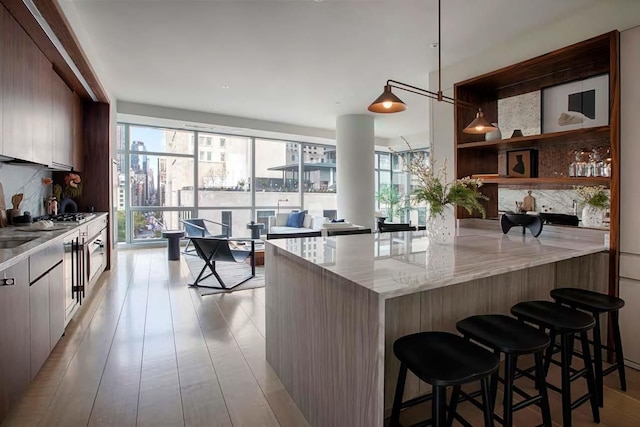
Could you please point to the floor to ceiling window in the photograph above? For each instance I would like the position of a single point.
(165, 175)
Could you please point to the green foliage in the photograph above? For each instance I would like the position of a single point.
(593, 196)
(434, 189)
(122, 232)
(391, 198)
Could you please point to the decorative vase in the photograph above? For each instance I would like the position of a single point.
(592, 217)
(441, 228)
(491, 136)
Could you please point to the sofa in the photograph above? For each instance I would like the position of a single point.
(278, 224)
(312, 226)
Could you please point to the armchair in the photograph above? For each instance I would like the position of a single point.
(197, 227)
(212, 250)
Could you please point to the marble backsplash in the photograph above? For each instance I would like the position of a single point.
(552, 201)
(26, 179)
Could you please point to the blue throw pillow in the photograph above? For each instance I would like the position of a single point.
(295, 219)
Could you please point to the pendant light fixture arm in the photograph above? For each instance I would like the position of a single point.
(438, 96)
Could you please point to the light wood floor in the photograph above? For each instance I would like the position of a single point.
(147, 350)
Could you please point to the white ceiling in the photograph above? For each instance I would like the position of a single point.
(301, 62)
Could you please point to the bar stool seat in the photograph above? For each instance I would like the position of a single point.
(512, 337)
(442, 359)
(566, 322)
(587, 300)
(504, 333)
(597, 304)
(553, 316)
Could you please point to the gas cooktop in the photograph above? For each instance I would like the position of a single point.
(70, 218)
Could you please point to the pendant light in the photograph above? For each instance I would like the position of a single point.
(388, 102)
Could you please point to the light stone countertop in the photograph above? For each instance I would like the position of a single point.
(41, 239)
(396, 264)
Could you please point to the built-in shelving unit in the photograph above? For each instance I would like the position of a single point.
(475, 156)
(579, 135)
(559, 181)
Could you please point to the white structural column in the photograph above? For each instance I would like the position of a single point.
(355, 173)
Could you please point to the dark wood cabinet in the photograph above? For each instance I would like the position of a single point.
(42, 120)
(15, 367)
(56, 304)
(78, 135)
(39, 323)
(62, 114)
(17, 88)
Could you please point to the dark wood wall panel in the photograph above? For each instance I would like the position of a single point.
(50, 10)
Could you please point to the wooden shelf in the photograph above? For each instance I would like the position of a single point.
(567, 136)
(559, 181)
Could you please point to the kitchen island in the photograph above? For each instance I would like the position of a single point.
(334, 306)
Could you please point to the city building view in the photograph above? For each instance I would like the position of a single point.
(167, 175)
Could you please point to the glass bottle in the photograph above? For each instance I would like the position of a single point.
(576, 167)
(572, 164)
(598, 164)
(581, 164)
(606, 166)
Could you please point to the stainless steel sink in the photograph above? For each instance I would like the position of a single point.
(12, 243)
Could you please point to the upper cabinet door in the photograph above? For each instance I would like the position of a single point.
(42, 124)
(62, 114)
(17, 88)
(78, 134)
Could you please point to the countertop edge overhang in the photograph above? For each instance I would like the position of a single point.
(10, 257)
(555, 247)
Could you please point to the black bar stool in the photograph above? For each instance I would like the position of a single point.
(566, 322)
(507, 335)
(442, 360)
(597, 304)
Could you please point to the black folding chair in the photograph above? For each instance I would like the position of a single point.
(197, 227)
(212, 250)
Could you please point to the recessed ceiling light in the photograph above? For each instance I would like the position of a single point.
(337, 102)
(318, 1)
(225, 87)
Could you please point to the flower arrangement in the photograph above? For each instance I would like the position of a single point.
(435, 189)
(595, 196)
(72, 187)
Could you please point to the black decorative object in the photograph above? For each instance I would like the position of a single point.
(511, 219)
(522, 164)
(516, 133)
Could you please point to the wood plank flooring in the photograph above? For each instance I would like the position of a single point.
(149, 351)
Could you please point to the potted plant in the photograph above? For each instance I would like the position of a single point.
(595, 200)
(391, 198)
(442, 196)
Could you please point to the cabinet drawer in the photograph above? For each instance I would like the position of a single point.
(95, 227)
(44, 260)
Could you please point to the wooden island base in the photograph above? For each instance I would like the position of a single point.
(329, 337)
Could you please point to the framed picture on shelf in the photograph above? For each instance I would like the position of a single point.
(576, 105)
(522, 164)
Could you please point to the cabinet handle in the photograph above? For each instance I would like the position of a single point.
(7, 281)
